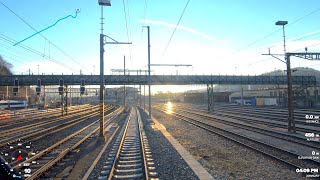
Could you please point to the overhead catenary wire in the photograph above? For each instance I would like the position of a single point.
(296, 39)
(50, 42)
(184, 9)
(11, 41)
(125, 16)
(264, 37)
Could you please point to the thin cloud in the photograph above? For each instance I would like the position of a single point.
(166, 24)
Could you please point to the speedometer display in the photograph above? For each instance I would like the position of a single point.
(14, 157)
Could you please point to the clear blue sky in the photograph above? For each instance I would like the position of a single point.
(213, 35)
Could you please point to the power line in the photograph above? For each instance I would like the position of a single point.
(185, 7)
(256, 41)
(62, 51)
(125, 16)
(299, 19)
(11, 41)
(260, 39)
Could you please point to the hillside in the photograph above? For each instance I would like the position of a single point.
(5, 67)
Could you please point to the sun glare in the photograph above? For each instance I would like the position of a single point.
(169, 107)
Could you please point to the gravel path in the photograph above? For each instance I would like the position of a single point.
(224, 159)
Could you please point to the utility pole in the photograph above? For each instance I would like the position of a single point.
(44, 95)
(149, 76)
(149, 79)
(102, 43)
(124, 86)
(306, 55)
(140, 92)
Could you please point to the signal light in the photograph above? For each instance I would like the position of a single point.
(38, 89)
(16, 82)
(60, 89)
(82, 89)
(61, 82)
(15, 89)
(39, 82)
(82, 82)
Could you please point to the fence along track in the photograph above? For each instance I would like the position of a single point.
(130, 156)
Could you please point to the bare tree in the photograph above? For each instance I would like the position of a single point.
(5, 67)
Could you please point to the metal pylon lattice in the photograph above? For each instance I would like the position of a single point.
(210, 97)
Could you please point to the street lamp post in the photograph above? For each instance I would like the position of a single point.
(102, 3)
(291, 124)
(102, 43)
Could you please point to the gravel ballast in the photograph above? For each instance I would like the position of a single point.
(222, 158)
(169, 163)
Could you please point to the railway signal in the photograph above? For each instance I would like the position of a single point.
(38, 88)
(82, 87)
(16, 87)
(61, 82)
(60, 88)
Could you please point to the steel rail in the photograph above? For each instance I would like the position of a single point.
(50, 130)
(245, 143)
(49, 164)
(276, 134)
(43, 123)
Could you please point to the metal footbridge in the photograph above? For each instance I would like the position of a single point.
(26, 80)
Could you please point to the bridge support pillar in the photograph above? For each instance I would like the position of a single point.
(210, 97)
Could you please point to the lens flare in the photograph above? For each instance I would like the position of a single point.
(169, 108)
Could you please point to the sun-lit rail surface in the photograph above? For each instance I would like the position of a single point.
(273, 142)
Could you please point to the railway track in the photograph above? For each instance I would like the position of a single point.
(44, 131)
(261, 130)
(50, 156)
(48, 121)
(272, 122)
(279, 154)
(39, 116)
(130, 156)
(39, 137)
(268, 113)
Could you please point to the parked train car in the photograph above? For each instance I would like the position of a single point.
(11, 104)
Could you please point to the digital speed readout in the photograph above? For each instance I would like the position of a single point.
(14, 160)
